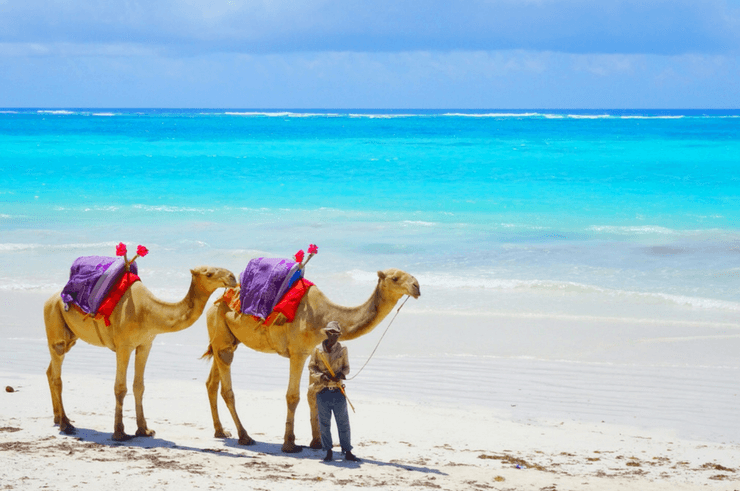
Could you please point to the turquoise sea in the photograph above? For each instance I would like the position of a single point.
(638, 201)
(542, 240)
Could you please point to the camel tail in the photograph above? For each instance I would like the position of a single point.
(208, 354)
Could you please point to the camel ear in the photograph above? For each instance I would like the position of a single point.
(381, 275)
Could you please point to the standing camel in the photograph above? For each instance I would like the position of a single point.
(134, 323)
(294, 340)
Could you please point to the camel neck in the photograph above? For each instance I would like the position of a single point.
(181, 315)
(368, 315)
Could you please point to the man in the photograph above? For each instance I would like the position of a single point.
(327, 384)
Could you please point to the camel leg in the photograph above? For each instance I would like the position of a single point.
(60, 340)
(142, 354)
(122, 358)
(222, 361)
(212, 384)
(314, 412)
(292, 397)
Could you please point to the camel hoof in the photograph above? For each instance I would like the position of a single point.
(315, 444)
(145, 432)
(121, 437)
(68, 429)
(246, 440)
(222, 434)
(291, 448)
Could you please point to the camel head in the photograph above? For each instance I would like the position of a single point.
(211, 279)
(398, 283)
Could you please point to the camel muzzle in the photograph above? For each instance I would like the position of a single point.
(417, 292)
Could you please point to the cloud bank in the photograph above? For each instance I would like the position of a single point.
(370, 54)
(655, 27)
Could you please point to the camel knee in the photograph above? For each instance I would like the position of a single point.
(226, 356)
(60, 348)
(227, 394)
(292, 400)
(120, 391)
(55, 383)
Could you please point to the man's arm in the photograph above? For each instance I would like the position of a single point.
(344, 367)
(315, 372)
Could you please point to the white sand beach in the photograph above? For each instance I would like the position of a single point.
(428, 420)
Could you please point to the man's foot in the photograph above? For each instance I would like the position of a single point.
(329, 456)
(351, 457)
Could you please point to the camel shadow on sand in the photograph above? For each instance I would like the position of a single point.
(105, 439)
(250, 451)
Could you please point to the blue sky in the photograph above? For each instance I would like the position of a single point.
(370, 53)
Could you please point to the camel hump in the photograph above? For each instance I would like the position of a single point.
(264, 282)
(92, 279)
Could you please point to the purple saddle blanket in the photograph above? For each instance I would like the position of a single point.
(91, 279)
(264, 282)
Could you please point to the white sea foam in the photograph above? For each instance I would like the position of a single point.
(704, 303)
(257, 113)
(55, 111)
(14, 247)
(493, 115)
(589, 116)
(633, 230)
(104, 114)
(483, 115)
(174, 209)
(591, 319)
(652, 117)
(8, 285)
(385, 116)
(108, 209)
(419, 223)
(281, 114)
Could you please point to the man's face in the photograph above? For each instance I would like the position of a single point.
(331, 338)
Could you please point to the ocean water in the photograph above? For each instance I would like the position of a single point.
(513, 221)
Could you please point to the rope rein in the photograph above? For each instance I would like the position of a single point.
(381, 339)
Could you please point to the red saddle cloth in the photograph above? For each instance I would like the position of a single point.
(116, 293)
(287, 305)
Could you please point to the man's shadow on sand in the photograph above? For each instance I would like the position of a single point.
(257, 449)
(307, 453)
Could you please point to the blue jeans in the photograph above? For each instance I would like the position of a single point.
(328, 401)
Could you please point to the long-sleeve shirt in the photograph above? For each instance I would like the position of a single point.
(338, 360)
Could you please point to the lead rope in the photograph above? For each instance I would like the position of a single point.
(381, 338)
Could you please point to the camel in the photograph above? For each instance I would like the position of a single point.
(134, 323)
(294, 340)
